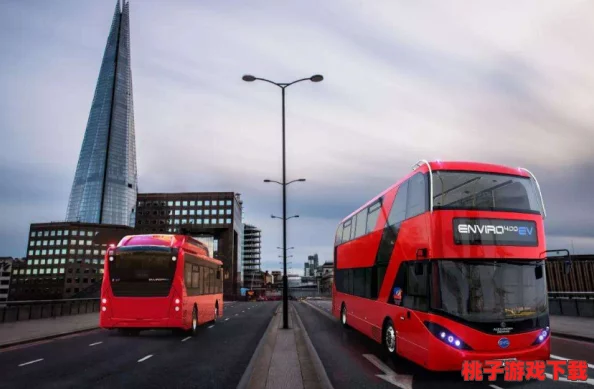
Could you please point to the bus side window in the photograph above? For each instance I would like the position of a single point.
(416, 290)
(417, 199)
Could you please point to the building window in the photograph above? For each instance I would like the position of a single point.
(30, 252)
(33, 233)
(192, 203)
(207, 212)
(228, 211)
(228, 221)
(53, 233)
(184, 212)
(213, 221)
(207, 203)
(185, 203)
(214, 211)
(177, 203)
(229, 202)
(199, 203)
(221, 221)
(177, 212)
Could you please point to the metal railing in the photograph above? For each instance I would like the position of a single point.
(579, 304)
(12, 311)
(560, 303)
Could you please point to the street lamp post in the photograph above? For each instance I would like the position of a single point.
(283, 86)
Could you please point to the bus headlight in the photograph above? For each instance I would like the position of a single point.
(542, 336)
(446, 336)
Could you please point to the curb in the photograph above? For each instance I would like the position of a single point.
(562, 335)
(315, 358)
(328, 315)
(258, 352)
(47, 337)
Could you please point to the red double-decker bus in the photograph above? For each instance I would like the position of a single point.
(160, 281)
(447, 266)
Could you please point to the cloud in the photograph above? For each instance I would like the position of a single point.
(403, 81)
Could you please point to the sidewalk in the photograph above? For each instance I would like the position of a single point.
(581, 328)
(285, 358)
(31, 330)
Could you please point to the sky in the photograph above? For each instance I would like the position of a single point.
(508, 83)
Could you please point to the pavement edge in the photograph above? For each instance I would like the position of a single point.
(262, 354)
(327, 314)
(47, 337)
(319, 369)
(563, 335)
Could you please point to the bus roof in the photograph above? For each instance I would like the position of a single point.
(446, 165)
(168, 240)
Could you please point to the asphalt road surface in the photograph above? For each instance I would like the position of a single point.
(215, 358)
(352, 360)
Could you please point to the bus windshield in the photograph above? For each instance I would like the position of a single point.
(484, 191)
(142, 273)
(491, 291)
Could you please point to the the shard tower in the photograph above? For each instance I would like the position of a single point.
(105, 183)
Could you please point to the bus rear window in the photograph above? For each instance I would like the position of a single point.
(484, 191)
(142, 273)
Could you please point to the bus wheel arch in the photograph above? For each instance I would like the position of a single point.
(343, 315)
(389, 336)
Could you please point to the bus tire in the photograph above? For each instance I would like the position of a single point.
(194, 323)
(389, 337)
(343, 316)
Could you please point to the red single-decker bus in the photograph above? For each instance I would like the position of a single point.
(446, 265)
(160, 281)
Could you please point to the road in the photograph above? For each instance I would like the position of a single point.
(215, 358)
(352, 360)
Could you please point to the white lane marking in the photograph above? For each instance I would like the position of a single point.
(591, 366)
(226, 319)
(95, 344)
(184, 339)
(145, 358)
(236, 314)
(401, 380)
(495, 386)
(242, 311)
(211, 326)
(30, 362)
(588, 381)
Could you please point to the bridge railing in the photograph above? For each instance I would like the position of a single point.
(572, 304)
(12, 311)
(560, 303)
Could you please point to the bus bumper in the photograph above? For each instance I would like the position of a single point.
(445, 358)
(164, 323)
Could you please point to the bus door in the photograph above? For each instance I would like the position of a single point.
(413, 289)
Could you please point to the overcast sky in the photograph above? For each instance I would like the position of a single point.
(499, 82)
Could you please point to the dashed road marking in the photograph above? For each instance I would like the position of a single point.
(211, 326)
(403, 381)
(226, 319)
(95, 344)
(30, 362)
(184, 339)
(589, 381)
(495, 386)
(145, 358)
(591, 366)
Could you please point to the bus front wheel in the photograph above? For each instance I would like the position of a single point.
(389, 337)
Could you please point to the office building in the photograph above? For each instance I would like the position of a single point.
(212, 217)
(105, 182)
(312, 261)
(252, 275)
(306, 269)
(5, 275)
(63, 258)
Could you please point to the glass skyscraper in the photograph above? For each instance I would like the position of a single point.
(105, 183)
